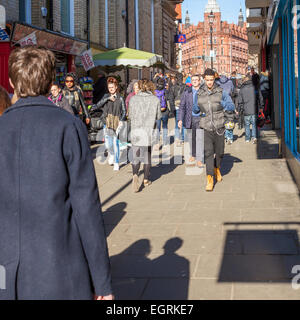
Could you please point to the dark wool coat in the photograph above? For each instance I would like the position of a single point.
(186, 108)
(52, 238)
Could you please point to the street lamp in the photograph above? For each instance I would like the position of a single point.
(211, 23)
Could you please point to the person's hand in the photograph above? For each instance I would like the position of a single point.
(260, 111)
(180, 124)
(87, 120)
(109, 297)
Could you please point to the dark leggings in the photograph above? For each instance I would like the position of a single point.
(141, 154)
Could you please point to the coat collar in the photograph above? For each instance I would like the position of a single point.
(31, 102)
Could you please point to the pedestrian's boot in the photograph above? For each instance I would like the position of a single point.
(218, 175)
(210, 183)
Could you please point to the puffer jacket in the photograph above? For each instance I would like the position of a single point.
(144, 109)
(226, 84)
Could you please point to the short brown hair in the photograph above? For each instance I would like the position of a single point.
(146, 86)
(31, 70)
(5, 101)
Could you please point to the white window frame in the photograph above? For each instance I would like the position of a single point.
(28, 11)
(72, 19)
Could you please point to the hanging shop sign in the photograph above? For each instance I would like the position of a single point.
(87, 60)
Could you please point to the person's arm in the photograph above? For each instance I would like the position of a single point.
(240, 102)
(227, 102)
(123, 112)
(158, 114)
(101, 103)
(260, 100)
(84, 108)
(86, 206)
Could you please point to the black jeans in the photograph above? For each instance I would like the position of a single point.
(141, 154)
(213, 145)
(195, 138)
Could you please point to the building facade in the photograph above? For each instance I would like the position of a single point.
(277, 42)
(229, 43)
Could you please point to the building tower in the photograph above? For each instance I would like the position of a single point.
(213, 6)
(187, 19)
(241, 18)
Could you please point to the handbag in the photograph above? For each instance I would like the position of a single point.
(261, 120)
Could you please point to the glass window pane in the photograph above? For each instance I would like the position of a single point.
(65, 15)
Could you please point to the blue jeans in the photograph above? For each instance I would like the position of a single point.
(112, 144)
(178, 135)
(164, 120)
(250, 120)
(229, 135)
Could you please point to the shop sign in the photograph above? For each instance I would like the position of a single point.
(87, 60)
(3, 35)
(29, 40)
(180, 38)
(49, 40)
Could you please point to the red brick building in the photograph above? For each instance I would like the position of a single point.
(230, 43)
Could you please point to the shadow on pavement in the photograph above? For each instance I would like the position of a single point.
(113, 215)
(260, 255)
(135, 276)
(228, 162)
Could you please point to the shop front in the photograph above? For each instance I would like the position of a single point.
(286, 31)
(65, 48)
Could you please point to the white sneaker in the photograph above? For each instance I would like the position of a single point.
(111, 159)
(116, 167)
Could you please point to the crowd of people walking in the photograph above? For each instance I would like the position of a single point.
(47, 125)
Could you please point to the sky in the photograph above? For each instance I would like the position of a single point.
(229, 9)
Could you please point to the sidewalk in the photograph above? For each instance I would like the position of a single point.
(175, 241)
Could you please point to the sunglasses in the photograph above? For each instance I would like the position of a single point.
(69, 81)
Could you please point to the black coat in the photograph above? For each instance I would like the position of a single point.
(249, 100)
(52, 237)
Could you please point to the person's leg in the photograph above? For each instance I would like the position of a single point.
(209, 152)
(147, 163)
(135, 168)
(254, 126)
(165, 120)
(230, 135)
(158, 128)
(116, 146)
(110, 148)
(219, 149)
(194, 137)
(247, 128)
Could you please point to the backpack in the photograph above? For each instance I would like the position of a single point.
(162, 98)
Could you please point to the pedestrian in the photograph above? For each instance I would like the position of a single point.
(265, 91)
(100, 88)
(227, 85)
(249, 102)
(114, 114)
(175, 98)
(5, 101)
(160, 92)
(133, 89)
(190, 120)
(144, 111)
(58, 99)
(52, 238)
(255, 79)
(73, 93)
(213, 101)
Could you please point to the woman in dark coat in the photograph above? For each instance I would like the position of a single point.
(52, 238)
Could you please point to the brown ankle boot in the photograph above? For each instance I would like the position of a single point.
(210, 183)
(218, 175)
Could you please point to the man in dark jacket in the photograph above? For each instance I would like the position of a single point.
(190, 121)
(249, 101)
(175, 94)
(212, 102)
(52, 237)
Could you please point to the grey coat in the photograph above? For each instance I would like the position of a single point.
(52, 238)
(143, 111)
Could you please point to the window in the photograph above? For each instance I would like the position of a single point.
(67, 16)
(25, 11)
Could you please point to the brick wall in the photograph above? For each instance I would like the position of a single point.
(80, 20)
(12, 9)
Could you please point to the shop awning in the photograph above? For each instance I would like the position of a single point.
(128, 57)
(51, 40)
